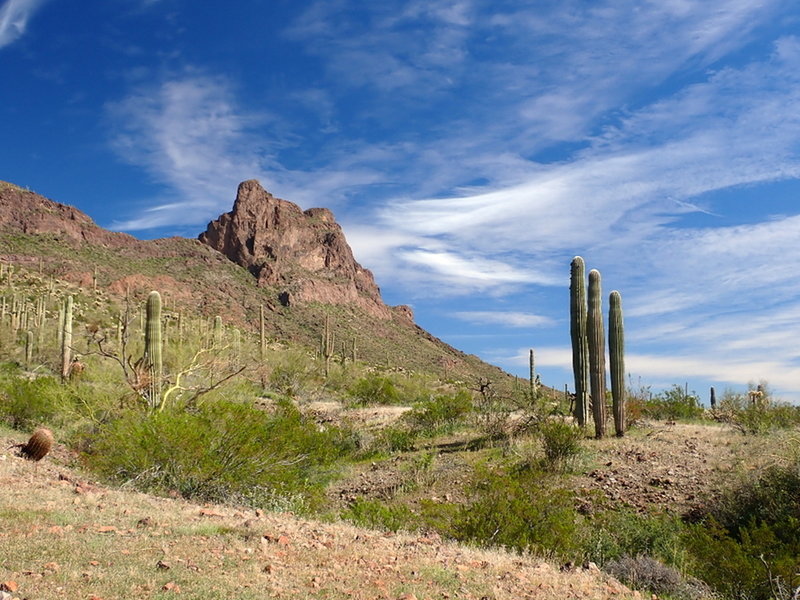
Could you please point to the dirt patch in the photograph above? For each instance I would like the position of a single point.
(369, 417)
(664, 466)
(428, 473)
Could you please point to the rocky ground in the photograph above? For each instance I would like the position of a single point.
(63, 536)
(657, 466)
(665, 466)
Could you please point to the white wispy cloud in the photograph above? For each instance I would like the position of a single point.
(468, 98)
(193, 136)
(14, 17)
(188, 134)
(667, 368)
(521, 320)
(626, 189)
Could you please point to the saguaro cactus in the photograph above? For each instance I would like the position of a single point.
(577, 328)
(218, 331)
(28, 348)
(152, 348)
(262, 334)
(66, 339)
(532, 369)
(616, 355)
(597, 354)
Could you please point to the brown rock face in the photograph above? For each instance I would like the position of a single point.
(303, 253)
(31, 213)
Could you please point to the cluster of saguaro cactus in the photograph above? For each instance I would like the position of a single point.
(588, 351)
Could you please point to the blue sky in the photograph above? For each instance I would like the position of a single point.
(470, 148)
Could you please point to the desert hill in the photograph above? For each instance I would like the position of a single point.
(73, 538)
(265, 252)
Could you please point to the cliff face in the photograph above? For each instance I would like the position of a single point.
(303, 253)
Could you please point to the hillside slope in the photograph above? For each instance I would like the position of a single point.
(62, 536)
(61, 242)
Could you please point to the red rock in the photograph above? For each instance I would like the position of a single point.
(303, 252)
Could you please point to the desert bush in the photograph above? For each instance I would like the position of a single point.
(221, 451)
(748, 543)
(374, 388)
(562, 444)
(379, 515)
(292, 373)
(672, 405)
(439, 414)
(492, 410)
(520, 509)
(26, 403)
(616, 532)
(646, 573)
(755, 419)
(636, 397)
(395, 438)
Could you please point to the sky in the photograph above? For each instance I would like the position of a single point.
(469, 148)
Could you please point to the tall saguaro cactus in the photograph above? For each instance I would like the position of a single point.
(152, 348)
(532, 369)
(616, 355)
(262, 334)
(66, 339)
(28, 348)
(217, 331)
(595, 335)
(580, 353)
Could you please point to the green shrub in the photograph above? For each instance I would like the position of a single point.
(378, 515)
(25, 403)
(394, 439)
(562, 444)
(222, 451)
(440, 414)
(748, 544)
(756, 419)
(672, 405)
(374, 389)
(521, 510)
(292, 373)
(613, 534)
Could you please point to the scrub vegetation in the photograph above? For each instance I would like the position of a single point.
(690, 503)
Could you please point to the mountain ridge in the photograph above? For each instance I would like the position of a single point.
(63, 242)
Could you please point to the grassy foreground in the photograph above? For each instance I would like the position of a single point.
(64, 537)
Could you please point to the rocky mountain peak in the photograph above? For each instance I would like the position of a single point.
(303, 253)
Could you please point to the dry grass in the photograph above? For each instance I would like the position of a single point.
(63, 537)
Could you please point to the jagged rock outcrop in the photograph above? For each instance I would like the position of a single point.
(302, 253)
